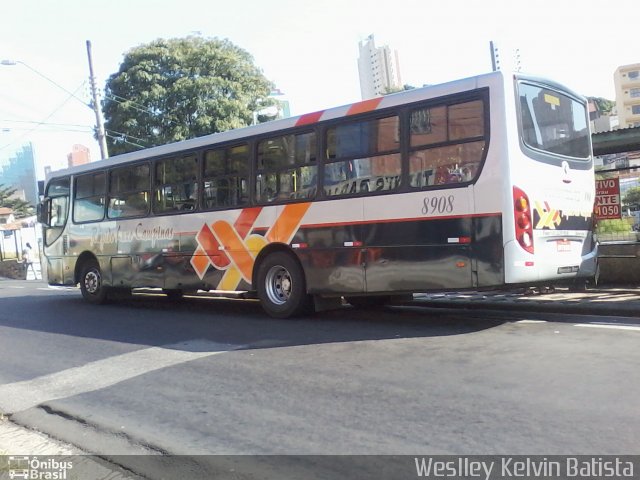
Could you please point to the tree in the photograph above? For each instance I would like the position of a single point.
(603, 105)
(632, 198)
(172, 90)
(20, 207)
(404, 88)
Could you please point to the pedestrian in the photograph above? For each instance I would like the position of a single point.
(27, 259)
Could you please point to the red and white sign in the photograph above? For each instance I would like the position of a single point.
(608, 199)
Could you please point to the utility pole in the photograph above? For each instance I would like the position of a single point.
(495, 57)
(102, 139)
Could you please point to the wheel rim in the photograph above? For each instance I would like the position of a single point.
(278, 285)
(92, 281)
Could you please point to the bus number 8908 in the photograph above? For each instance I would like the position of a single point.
(437, 204)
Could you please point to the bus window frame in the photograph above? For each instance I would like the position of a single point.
(150, 163)
(48, 204)
(540, 155)
(75, 191)
(255, 171)
(250, 142)
(395, 111)
(479, 94)
(199, 156)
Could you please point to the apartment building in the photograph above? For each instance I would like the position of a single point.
(627, 83)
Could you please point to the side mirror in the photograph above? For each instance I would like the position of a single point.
(43, 211)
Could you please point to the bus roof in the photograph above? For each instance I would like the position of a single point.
(378, 103)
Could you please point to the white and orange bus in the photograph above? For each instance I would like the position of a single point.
(484, 182)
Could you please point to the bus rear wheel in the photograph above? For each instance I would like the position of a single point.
(282, 288)
(91, 283)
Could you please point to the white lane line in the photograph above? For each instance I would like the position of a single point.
(18, 396)
(531, 321)
(610, 326)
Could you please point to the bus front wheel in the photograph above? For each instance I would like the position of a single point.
(281, 286)
(91, 283)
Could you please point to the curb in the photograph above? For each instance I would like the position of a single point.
(611, 301)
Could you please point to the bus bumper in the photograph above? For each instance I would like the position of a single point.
(589, 265)
(580, 265)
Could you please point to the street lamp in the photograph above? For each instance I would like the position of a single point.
(96, 106)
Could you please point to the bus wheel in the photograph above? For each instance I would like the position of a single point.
(281, 286)
(91, 283)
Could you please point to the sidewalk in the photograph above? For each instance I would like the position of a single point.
(623, 301)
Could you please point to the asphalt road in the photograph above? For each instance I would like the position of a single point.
(206, 376)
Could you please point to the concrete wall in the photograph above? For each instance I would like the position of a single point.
(12, 269)
(619, 263)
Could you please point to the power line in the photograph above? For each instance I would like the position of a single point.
(45, 123)
(121, 100)
(71, 94)
(136, 106)
(127, 135)
(123, 139)
(44, 120)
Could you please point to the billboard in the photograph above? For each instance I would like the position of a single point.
(608, 199)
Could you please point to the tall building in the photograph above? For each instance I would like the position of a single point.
(20, 173)
(79, 155)
(627, 82)
(378, 68)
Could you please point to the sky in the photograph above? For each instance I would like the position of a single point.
(309, 50)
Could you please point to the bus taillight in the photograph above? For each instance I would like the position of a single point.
(523, 222)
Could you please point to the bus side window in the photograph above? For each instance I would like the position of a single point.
(226, 171)
(89, 201)
(287, 168)
(447, 144)
(176, 184)
(363, 156)
(129, 191)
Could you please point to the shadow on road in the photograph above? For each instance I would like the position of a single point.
(156, 320)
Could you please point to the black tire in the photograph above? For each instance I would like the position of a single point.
(282, 288)
(91, 283)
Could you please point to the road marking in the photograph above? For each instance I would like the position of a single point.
(531, 321)
(18, 396)
(610, 326)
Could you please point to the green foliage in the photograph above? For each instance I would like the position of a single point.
(632, 197)
(20, 207)
(172, 90)
(604, 106)
(615, 226)
(390, 90)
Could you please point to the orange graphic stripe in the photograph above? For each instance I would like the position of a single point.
(309, 118)
(363, 107)
(234, 247)
(211, 247)
(287, 223)
(200, 261)
(245, 220)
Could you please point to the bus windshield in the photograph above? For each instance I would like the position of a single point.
(553, 122)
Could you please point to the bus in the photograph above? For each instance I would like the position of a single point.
(481, 183)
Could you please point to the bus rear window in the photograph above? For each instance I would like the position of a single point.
(553, 122)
